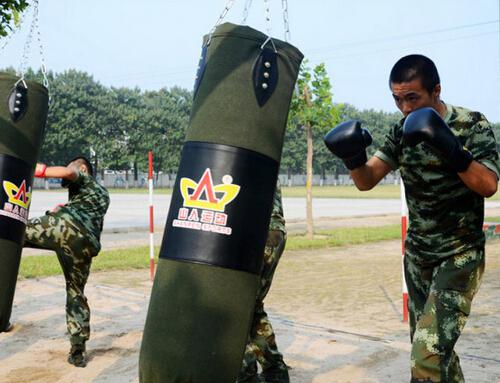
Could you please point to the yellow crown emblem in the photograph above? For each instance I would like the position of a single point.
(18, 195)
(216, 197)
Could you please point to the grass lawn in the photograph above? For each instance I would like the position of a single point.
(138, 257)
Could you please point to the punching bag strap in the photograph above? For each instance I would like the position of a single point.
(18, 100)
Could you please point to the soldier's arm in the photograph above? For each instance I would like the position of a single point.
(367, 176)
(64, 172)
(480, 179)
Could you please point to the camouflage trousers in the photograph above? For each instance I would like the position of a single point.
(261, 346)
(74, 252)
(440, 298)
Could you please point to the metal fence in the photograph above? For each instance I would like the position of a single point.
(162, 180)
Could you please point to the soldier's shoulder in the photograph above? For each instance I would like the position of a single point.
(464, 118)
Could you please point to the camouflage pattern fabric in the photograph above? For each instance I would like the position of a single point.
(444, 249)
(441, 298)
(261, 346)
(73, 232)
(446, 217)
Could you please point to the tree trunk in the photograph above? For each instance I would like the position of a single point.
(309, 167)
(136, 174)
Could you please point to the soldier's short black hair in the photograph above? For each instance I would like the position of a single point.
(413, 67)
(82, 160)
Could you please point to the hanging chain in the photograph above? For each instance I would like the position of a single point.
(229, 5)
(286, 23)
(23, 66)
(268, 17)
(34, 28)
(43, 67)
(248, 4)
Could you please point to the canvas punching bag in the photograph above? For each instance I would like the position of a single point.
(212, 250)
(23, 114)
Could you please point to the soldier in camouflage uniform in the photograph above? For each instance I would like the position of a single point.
(448, 161)
(261, 346)
(73, 231)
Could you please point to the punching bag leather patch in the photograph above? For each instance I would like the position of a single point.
(265, 75)
(18, 102)
(15, 197)
(221, 207)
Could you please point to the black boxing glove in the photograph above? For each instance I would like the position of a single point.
(426, 125)
(348, 141)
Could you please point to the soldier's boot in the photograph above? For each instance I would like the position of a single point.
(418, 380)
(276, 374)
(249, 374)
(77, 355)
(9, 327)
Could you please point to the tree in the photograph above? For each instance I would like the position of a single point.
(312, 108)
(10, 11)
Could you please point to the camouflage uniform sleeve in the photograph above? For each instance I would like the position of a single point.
(482, 144)
(79, 181)
(390, 149)
(277, 218)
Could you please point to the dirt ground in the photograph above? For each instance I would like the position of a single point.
(337, 314)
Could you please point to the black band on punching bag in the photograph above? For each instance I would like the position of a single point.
(15, 197)
(220, 208)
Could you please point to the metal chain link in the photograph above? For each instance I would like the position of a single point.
(228, 6)
(23, 65)
(34, 28)
(248, 4)
(268, 17)
(43, 67)
(286, 23)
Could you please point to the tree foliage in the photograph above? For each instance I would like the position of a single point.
(9, 14)
(121, 124)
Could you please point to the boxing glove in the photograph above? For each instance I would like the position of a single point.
(349, 141)
(426, 125)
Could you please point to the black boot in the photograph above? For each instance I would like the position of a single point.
(276, 374)
(9, 327)
(77, 355)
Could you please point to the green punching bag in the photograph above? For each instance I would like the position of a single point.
(212, 250)
(23, 113)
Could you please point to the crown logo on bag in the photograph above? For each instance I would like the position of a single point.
(205, 195)
(18, 195)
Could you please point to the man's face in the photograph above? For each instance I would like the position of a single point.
(410, 96)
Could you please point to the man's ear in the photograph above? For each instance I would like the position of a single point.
(83, 169)
(437, 91)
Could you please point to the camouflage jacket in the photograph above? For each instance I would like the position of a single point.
(277, 218)
(87, 204)
(445, 216)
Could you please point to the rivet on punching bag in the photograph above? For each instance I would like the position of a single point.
(212, 250)
(23, 114)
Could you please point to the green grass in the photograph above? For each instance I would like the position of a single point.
(344, 237)
(119, 259)
(492, 219)
(344, 191)
(138, 257)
